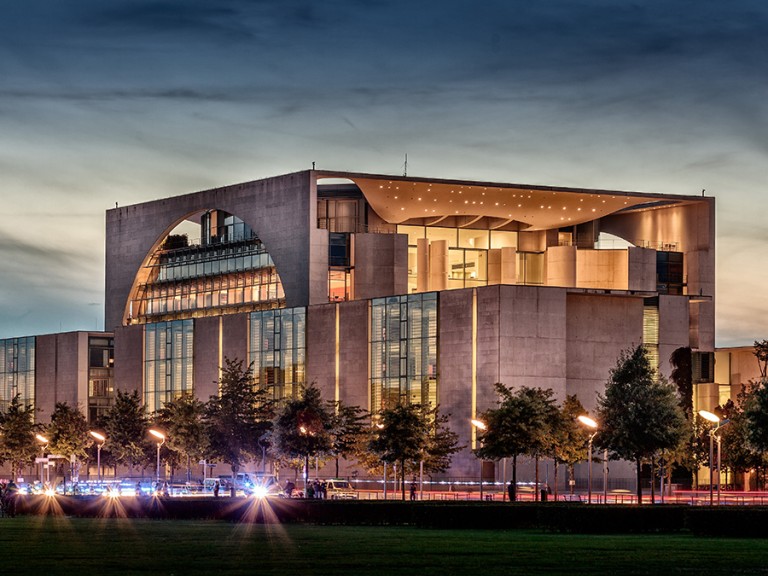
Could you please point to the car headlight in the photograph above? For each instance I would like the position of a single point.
(260, 492)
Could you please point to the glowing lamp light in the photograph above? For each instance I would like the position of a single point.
(41, 438)
(260, 492)
(709, 416)
(479, 424)
(587, 421)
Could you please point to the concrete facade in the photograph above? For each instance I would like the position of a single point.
(545, 308)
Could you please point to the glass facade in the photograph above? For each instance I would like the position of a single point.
(277, 350)
(403, 350)
(651, 330)
(101, 388)
(17, 370)
(228, 271)
(468, 255)
(168, 362)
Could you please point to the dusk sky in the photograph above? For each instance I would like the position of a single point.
(127, 101)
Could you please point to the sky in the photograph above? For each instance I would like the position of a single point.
(130, 100)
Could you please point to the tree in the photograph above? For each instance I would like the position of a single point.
(682, 376)
(640, 413)
(125, 426)
(182, 420)
(302, 428)
(738, 455)
(519, 425)
(569, 438)
(18, 428)
(68, 433)
(401, 434)
(348, 428)
(237, 417)
(761, 353)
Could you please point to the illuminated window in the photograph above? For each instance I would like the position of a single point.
(17, 370)
(277, 350)
(403, 350)
(168, 362)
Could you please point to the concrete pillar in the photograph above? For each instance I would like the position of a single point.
(438, 265)
(561, 266)
(422, 265)
(494, 266)
(509, 265)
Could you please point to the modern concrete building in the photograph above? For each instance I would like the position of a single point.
(378, 288)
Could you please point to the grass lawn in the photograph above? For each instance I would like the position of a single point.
(79, 546)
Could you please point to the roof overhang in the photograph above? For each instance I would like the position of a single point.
(456, 203)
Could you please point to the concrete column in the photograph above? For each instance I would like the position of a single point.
(561, 266)
(509, 265)
(422, 265)
(438, 265)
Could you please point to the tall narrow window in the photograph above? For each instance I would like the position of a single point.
(17, 370)
(168, 362)
(651, 330)
(403, 350)
(277, 350)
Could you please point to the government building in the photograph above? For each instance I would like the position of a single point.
(382, 288)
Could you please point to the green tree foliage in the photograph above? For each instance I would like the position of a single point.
(237, 417)
(125, 426)
(761, 353)
(520, 424)
(738, 454)
(68, 433)
(303, 428)
(412, 435)
(349, 426)
(569, 437)
(640, 413)
(682, 376)
(182, 421)
(18, 444)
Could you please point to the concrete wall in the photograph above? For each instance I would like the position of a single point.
(598, 329)
(129, 358)
(206, 359)
(61, 373)
(282, 211)
(642, 269)
(602, 269)
(532, 337)
(673, 329)
(381, 265)
(561, 266)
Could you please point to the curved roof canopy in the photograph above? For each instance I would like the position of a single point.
(403, 200)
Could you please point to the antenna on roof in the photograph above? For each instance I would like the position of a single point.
(702, 191)
(313, 165)
(405, 166)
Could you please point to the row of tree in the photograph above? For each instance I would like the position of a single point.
(642, 418)
(239, 425)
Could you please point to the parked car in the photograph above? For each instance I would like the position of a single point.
(338, 489)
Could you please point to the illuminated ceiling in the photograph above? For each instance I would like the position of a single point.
(402, 200)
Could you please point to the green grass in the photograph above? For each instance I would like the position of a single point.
(49, 546)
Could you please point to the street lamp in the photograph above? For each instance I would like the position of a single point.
(714, 418)
(480, 425)
(44, 441)
(592, 425)
(101, 440)
(161, 437)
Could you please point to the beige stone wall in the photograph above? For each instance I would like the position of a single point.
(602, 269)
(61, 373)
(381, 265)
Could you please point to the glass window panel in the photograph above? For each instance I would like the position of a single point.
(473, 239)
(448, 234)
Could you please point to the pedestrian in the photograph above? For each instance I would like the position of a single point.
(216, 489)
(511, 491)
(289, 488)
(310, 490)
(413, 490)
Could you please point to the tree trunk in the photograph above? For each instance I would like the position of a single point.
(514, 479)
(402, 478)
(556, 467)
(536, 465)
(653, 480)
(337, 467)
(639, 482)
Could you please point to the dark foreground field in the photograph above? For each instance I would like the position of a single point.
(82, 546)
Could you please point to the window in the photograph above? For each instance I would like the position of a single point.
(168, 362)
(17, 370)
(403, 350)
(277, 350)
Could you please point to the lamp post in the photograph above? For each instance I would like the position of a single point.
(714, 418)
(161, 437)
(592, 425)
(101, 440)
(480, 425)
(44, 444)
